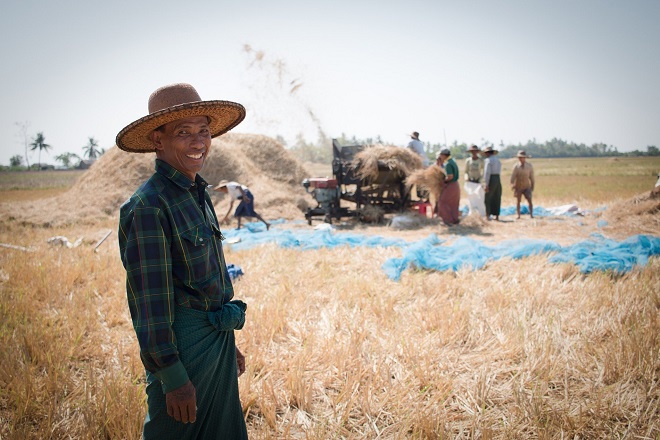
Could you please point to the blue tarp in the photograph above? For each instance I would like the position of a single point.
(433, 253)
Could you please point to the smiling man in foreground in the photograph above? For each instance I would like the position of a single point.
(178, 288)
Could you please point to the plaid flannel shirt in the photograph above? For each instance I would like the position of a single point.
(169, 241)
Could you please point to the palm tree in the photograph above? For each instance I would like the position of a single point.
(66, 158)
(40, 144)
(91, 150)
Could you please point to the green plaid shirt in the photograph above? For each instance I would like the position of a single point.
(170, 246)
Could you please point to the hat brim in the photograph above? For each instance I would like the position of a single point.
(223, 115)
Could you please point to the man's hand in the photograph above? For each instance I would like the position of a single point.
(240, 362)
(486, 188)
(182, 403)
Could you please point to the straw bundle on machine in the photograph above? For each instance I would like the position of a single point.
(367, 162)
(430, 179)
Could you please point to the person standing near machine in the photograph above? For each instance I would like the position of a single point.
(474, 169)
(418, 147)
(450, 196)
(493, 188)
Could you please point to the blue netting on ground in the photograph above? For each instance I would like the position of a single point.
(597, 253)
(255, 234)
(464, 252)
(432, 253)
(600, 253)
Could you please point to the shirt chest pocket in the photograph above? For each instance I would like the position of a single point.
(196, 254)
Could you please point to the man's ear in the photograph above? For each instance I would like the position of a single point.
(155, 137)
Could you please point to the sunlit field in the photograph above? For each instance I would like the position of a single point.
(32, 185)
(520, 349)
(34, 180)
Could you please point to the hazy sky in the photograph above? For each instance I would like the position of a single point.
(582, 70)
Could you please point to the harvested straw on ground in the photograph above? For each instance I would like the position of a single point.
(366, 162)
(640, 212)
(430, 179)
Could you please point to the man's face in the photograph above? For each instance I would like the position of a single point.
(184, 144)
(522, 160)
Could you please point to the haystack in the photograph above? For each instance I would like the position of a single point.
(366, 163)
(272, 173)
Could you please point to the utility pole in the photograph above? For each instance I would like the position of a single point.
(23, 129)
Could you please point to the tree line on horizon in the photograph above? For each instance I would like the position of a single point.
(68, 160)
(321, 151)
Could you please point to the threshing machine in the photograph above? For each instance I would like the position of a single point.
(386, 191)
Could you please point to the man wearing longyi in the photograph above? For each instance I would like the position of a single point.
(179, 292)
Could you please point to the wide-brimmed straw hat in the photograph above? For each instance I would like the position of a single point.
(173, 102)
(522, 153)
(490, 149)
(473, 148)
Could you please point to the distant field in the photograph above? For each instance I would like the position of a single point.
(32, 185)
(38, 180)
(580, 180)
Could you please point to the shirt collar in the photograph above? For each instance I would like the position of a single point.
(177, 177)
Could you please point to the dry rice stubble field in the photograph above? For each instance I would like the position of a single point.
(543, 352)
(519, 349)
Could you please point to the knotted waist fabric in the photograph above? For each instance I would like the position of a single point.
(207, 349)
(230, 317)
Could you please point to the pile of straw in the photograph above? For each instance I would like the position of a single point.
(639, 213)
(430, 179)
(272, 173)
(402, 160)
